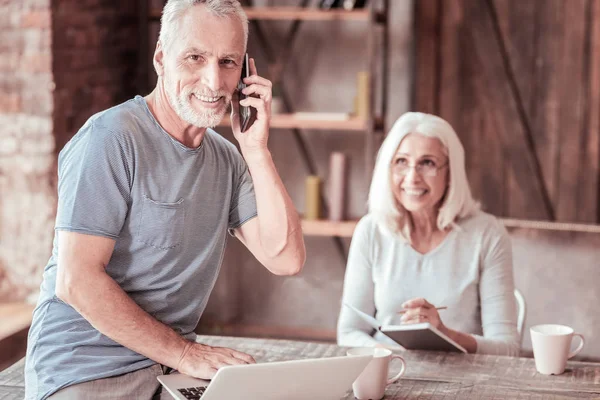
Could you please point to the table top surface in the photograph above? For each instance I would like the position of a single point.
(429, 375)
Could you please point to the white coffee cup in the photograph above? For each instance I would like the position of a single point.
(371, 383)
(551, 347)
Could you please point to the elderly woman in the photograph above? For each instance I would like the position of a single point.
(425, 243)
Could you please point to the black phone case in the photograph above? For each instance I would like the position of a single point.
(247, 114)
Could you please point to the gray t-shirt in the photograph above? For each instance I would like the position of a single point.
(470, 272)
(169, 208)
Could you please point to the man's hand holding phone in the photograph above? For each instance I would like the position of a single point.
(258, 95)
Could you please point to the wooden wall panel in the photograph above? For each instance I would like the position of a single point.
(427, 55)
(492, 190)
(567, 31)
(519, 82)
(486, 174)
(452, 75)
(544, 110)
(520, 41)
(589, 178)
(497, 86)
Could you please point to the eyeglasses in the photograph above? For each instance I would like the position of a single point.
(423, 168)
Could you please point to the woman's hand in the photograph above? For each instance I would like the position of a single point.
(420, 310)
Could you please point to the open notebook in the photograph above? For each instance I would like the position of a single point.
(423, 336)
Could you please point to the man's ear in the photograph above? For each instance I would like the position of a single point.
(158, 59)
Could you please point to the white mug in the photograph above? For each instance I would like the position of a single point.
(371, 383)
(551, 347)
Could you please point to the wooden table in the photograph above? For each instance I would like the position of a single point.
(430, 375)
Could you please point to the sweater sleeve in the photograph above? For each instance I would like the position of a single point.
(497, 300)
(358, 290)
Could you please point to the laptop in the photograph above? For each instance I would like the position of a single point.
(317, 378)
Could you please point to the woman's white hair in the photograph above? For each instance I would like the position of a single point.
(174, 10)
(457, 202)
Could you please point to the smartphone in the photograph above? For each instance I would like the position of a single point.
(247, 114)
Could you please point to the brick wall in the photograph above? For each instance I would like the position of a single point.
(95, 50)
(61, 62)
(27, 199)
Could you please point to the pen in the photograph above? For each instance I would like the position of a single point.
(437, 308)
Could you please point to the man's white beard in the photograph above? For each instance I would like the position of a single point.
(207, 118)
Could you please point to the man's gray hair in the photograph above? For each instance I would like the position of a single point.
(174, 10)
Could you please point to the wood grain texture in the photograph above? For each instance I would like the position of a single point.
(520, 40)
(15, 317)
(294, 13)
(430, 375)
(497, 79)
(346, 228)
(589, 179)
(427, 53)
(452, 76)
(520, 83)
(288, 121)
(572, 84)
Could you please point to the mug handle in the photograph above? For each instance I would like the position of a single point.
(395, 378)
(578, 349)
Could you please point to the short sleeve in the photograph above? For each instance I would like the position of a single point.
(94, 182)
(243, 200)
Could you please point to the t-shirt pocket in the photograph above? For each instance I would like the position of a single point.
(161, 224)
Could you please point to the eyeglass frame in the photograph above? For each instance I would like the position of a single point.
(416, 167)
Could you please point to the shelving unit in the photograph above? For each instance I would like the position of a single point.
(374, 15)
(290, 121)
(296, 13)
(328, 228)
(374, 18)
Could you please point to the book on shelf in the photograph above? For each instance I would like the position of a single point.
(329, 4)
(348, 5)
(423, 336)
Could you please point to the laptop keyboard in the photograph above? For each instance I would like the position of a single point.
(193, 393)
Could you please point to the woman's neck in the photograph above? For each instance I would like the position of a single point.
(424, 232)
(423, 223)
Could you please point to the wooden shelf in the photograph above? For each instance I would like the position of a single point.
(550, 225)
(346, 228)
(324, 227)
(290, 121)
(307, 14)
(15, 317)
(295, 13)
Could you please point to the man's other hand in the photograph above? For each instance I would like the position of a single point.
(203, 362)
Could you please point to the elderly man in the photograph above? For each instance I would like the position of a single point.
(147, 194)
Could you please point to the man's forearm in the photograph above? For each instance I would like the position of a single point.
(100, 300)
(280, 226)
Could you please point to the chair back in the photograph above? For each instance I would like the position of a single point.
(521, 312)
